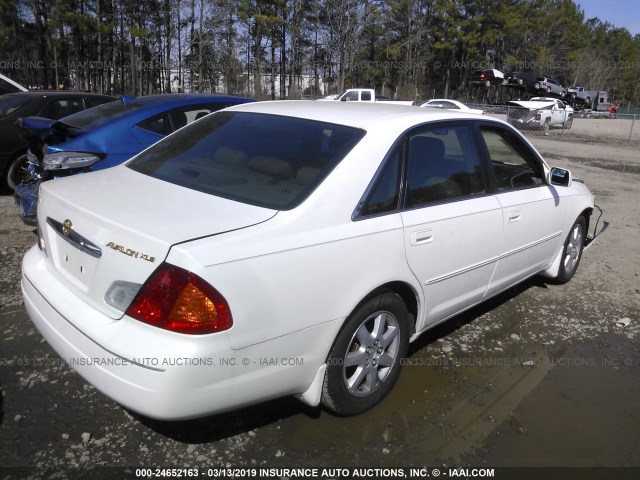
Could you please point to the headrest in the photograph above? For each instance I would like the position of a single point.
(270, 166)
(230, 156)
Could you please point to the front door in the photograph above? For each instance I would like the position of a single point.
(533, 216)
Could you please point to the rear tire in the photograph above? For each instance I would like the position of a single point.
(15, 173)
(572, 251)
(568, 123)
(365, 360)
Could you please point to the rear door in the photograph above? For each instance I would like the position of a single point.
(532, 211)
(452, 225)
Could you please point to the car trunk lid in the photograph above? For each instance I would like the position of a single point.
(119, 225)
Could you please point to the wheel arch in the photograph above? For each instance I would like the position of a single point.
(552, 270)
(404, 290)
(586, 213)
(330, 390)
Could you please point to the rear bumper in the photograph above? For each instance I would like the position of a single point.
(160, 374)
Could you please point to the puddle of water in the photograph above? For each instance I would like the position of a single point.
(566, 407)
(584, 413)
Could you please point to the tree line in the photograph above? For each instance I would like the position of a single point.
(412, 49)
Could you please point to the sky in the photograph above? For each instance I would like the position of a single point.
(620, 13)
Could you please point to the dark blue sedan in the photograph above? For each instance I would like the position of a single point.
(108, 135)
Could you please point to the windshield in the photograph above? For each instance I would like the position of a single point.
(97, 116)
(265, 160)
(9, 104)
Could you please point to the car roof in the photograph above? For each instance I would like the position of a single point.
(164, 98)
(108, 115)
(57, 93)
(357, 115)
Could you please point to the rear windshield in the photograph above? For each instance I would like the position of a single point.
(9, 104)
(97, 116)
(265, 160)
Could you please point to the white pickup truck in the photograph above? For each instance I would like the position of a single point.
(540, 112)
(364, 95)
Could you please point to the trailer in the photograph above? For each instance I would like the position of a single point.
(590, 102)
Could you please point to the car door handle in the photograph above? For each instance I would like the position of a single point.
(422, 237)
(514, 216)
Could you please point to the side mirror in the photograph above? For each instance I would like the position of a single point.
(560, 176)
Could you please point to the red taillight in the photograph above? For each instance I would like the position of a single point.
(180, 301)
(538, 116)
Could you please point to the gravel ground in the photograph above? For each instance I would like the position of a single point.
(509, 383)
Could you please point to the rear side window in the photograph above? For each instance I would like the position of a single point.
(265, 160)
(442, 164)
(107, 112)
(386, 192)
(513, 165)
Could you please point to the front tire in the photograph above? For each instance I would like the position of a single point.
(365, 359)
(572, 251)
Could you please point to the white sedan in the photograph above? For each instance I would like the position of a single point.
(291, 248)
(447, 104)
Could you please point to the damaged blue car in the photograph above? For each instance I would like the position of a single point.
(105, 136)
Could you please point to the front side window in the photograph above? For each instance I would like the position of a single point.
(513, 165)
(350, 97)
(270, 161)
(442, 164)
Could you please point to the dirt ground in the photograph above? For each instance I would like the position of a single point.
(542, 375)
